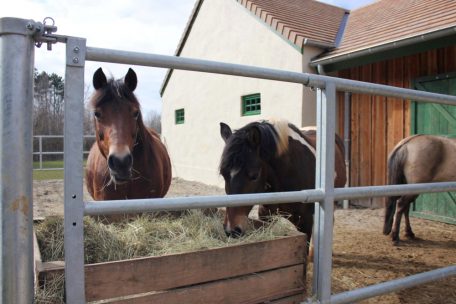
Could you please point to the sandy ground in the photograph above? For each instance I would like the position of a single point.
(362, 255)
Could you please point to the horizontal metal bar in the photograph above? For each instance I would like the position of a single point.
(190, 64)
(392, 190)
(181, 203)
(311, 80)
(48, 153)
(390, 286)
(305, 196)
(48, 169)
(55, 153)
(59, 136)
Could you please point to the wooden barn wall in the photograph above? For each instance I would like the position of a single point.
(379, 123)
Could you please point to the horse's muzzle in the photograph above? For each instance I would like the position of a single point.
(120, 168)
(235, 233)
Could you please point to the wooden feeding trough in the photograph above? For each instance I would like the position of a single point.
(268, 271)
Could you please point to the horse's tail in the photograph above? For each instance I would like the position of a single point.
(396, 176)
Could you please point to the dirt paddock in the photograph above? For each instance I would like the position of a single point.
(362, 254)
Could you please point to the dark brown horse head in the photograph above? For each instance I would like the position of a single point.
(244, 166)
(117, 117)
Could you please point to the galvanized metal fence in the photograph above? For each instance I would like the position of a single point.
(40, 153)
(16, 162)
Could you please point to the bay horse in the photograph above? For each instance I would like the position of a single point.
(128, 160)
(416, 159)
(272, 157)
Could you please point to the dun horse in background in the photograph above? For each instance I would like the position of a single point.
(416, 159)
(272, 157)
(128, 160)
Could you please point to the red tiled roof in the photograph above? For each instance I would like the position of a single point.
(300, 21)
(387, 21)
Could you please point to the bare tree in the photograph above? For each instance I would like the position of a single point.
(153, 120)
(48, 103)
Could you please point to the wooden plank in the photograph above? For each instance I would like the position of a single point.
(394, 106)
(432, 68)
(450, 59)
(296, 299)
(249, 289)
(379, 134)
(365, 136)
(36, 259)
(115, 279)
(354, 159)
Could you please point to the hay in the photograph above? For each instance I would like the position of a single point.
(147, 235)
(51, 291)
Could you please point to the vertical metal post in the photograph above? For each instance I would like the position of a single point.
(347, 138)
(73, 138)
(324, 211)
(16, 105)
(40, 143)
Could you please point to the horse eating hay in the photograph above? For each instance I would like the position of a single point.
(416, 159)
(128, 160)
(272, 157)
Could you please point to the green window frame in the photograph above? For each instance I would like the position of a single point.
(180, 116)
(251, 104)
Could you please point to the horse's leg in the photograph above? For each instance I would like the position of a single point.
(304, 224)
(408, 229)
(401, 205)
(311, 245)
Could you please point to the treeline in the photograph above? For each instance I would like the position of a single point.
(48, 114)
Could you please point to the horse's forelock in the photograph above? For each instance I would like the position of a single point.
(115, 90)
(232, 156)
(238, 144)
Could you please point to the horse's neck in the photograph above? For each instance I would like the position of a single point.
(144, 142)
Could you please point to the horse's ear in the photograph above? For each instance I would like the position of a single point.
(99, 79)
(254, 136)
(131, 80)
(225, 131)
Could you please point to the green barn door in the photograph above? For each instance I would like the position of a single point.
(431, 118)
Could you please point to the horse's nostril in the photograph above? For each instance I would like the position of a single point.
(112, 162)
(237, 232)
(128, 160)
(118, 164)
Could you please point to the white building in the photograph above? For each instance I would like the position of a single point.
(278, 34)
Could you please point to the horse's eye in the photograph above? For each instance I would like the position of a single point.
(135, 114)
(253, 175)
(97, 114)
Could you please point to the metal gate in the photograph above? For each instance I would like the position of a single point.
(18, 37)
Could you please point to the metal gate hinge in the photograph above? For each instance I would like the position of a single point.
(44, 33)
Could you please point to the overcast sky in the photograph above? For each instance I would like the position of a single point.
(152, 26)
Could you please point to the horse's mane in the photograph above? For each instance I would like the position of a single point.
(273, 142)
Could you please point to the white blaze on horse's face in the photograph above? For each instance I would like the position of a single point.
(234, 172)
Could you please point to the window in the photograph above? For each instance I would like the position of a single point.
(251, 104)
(180, 116)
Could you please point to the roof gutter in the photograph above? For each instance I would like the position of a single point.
(319, 44)
(384, 47)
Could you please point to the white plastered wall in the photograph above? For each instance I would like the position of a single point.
(226, 31)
